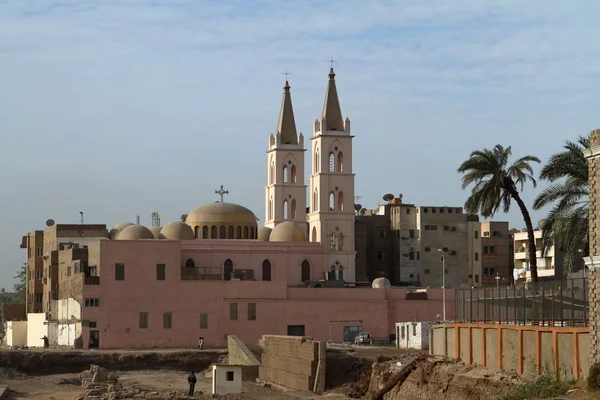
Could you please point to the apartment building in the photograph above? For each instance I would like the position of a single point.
(496, 253)
(34, 243)
(549, 266)
(374, 255)
(474, 246)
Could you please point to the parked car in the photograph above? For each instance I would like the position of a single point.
(363, 338)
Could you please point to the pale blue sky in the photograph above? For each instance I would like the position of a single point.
(119, 108)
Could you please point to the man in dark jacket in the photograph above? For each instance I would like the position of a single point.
(192, 382)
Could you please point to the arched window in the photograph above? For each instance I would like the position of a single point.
(245, 232)
(294, 209)
(230, 232)
(340, 162)
(340, 242)
(285, 209)
(331, 274)
(331, 201)
(190, 263)
(332, 241)
(316, 200)
(331, 162)
(286, 174)
(314, 234)
(266, 270)
(293, 176)
(305, 271)
(196, 232)
(227, 270)
(272, 172)
(252, 233)
(341, 273)
(238, 232)
(270, 209)
(340, 204)
(205, 232)
(316, 168)
(222, 233)
(213, 232)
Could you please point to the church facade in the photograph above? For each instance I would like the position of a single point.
(218, 272)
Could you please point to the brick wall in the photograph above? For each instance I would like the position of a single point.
(294, 362)
(239, 354)
(594, 229)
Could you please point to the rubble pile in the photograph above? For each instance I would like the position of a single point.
(99, 384)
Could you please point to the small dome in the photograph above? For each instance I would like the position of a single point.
(177, 230)
(114, 232)
(135, 232)
(381, 283)
(156, 232)
(287, 232)
(264, 233)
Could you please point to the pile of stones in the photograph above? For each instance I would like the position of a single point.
(99, 384)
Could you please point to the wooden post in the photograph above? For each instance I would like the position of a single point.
(576, 363)
(499, 347)
(470, 345)
(457, 340)
(483, 347)
(555, 350)
(520, 367)
(538, 351)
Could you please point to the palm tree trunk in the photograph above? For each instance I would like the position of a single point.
(530, 234)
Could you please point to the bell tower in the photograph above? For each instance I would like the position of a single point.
(331, 216)
(286, 192)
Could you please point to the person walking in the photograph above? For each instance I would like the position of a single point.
(46, 341)
(201, 343)
(192, 382)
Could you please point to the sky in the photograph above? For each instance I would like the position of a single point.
(123, 108)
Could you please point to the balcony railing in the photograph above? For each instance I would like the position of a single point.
(201, 274)
(92, 280)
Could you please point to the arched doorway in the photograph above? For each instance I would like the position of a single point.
(266, 270)
(305, 271)
(227, 270)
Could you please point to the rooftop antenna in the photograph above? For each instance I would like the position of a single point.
(81, 214)
(155, 219)
(137, 219)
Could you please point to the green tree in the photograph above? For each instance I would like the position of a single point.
(21, 286)
(566, 225)
(496, 183)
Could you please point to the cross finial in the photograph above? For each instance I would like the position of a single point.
(221, 192)
(286, 74)
(331, 61)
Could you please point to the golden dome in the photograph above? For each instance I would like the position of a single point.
(156, 232)
(264, 233)
(114, 232)
(177, 230)
(287, 232)
(135, 232)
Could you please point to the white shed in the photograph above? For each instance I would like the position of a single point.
(226, 379)
(413, 335)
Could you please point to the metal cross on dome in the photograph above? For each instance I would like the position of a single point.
(221, 192)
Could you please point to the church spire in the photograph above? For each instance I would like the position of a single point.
(287, 124)
(332, 111)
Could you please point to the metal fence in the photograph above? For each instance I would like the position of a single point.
(546, 303)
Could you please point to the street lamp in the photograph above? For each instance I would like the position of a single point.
(443, 282)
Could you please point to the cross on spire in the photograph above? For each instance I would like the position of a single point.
(221, 192)
(331, 61)
(286, 74)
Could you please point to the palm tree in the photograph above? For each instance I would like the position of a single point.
(496, 183)
(566, 225)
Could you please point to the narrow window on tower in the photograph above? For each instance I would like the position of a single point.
(294, 206)
(286, 174)
(331, 162)
(293, 177)
(285, 209)
(340, 204)
(340, 162)
(331, 201)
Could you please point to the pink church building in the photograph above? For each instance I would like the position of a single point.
(217, 273)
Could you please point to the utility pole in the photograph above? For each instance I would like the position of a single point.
(443, 283)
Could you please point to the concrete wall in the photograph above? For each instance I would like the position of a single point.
(226, 379)
(16, 333)
(239, 354)
(524, 349)
(294, 362)
(37, 328)
(67, 333)
(69, 309)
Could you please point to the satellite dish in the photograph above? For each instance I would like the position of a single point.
(50, 222)
(542, 223)
(400, 196)
(357, 207)
(388, 197)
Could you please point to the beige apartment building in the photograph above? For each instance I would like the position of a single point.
(474, 246)
(43, 259)
(550, 265)
(496, 253)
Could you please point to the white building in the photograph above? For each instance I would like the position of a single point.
(413, 335)
(547, 265)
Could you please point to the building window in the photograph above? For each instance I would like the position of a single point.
(245, 232)
(92, 324)
(496, 233)
(251, 311)
(407, 210)
(40, 251)
(238, 232)
(160, 272)
(119, 272)
(230, 232)
(445, 249)
(227, 270)
(486, 250)
(476, 234)
(381, 233)
(476, 278)
(190, 263)
(331, 162)
(91, 302)
(476, 256)
(411, 255)
(222, 233)
(266, 270)
(143, 320)
(425, 209)
(340, 162)
(167, 320)
(411, 233)
(233, 311)
(381, 255)
(286, 174)
(230, 376)
(213, 232)
(418, 255)
(39, 298)
(203, 321)
(285, 209)
(433, 210)
(205, 232)
(492, 250)
(293, 177)
(305, 273)
(415, 325)
(294, 209)
(331, 201)
(427, 249)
